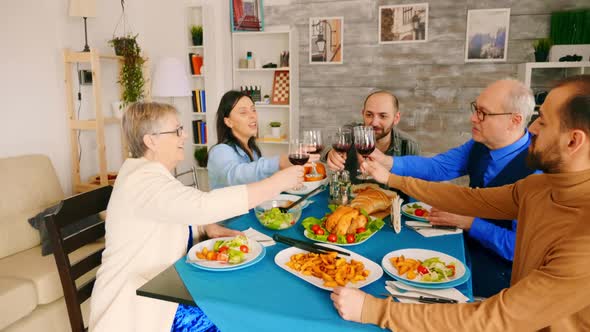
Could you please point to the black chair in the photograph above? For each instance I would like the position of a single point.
(71, 211)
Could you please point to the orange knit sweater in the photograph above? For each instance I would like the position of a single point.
(550, 287)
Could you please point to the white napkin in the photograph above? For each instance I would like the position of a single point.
(429, 232)
(255, 235)
(450, 293)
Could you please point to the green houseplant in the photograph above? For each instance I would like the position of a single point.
(542, 47)
(275, 128)
(201, 156)
(197, 34)
(131, 75)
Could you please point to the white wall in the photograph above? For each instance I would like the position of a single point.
(33, 35)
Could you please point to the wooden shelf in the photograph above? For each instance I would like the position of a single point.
(272, 141)
(199, 114)
(198, 76)
(199, 144)
(567, 64)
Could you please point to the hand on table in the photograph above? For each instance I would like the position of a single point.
(335, 160)
(439, 217)
(376, 170)
(348, 302)
(214, 230)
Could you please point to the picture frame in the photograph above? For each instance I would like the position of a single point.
(487, 33)
(246, 15)
(326, 40)
(407, 23)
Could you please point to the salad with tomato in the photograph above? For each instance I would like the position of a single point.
(316, 230)
(227, 251)
(417, 210)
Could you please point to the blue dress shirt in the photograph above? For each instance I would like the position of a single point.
(230, 165)
(453, 164)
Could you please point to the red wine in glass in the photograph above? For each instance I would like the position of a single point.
(298, 159)
(341, 147)
(365, 150)
(318, 148)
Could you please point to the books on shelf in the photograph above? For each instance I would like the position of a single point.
(199, 132)
(199, 102)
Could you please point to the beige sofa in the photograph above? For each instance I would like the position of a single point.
(31, 295)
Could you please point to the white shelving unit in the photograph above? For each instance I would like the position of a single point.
(196, 14)
(266, 46)
(525, 70)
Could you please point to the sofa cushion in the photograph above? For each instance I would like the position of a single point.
(29, 185)
(42, 270)
(18, 298)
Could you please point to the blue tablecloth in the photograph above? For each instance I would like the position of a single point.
(264, 297)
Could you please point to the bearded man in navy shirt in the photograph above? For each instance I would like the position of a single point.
(495, 156)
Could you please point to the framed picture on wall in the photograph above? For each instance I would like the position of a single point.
(487, 35)
(326, 40)
(247, 15)
(403, 23)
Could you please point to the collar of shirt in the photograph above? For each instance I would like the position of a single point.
(244, 155)
(501, 153)
(395, 146)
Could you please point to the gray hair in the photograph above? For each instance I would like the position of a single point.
(520, 100)
(140, 119)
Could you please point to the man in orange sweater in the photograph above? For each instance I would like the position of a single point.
(549, 288)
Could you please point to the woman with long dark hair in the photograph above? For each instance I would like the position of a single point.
(236, 159)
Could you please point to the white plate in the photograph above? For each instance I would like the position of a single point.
(255, 251)
(307, 187)
(375, 270)
(413, 216)
(293, 198)
(422, 254)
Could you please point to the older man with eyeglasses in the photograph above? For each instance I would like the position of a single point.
(495, 156)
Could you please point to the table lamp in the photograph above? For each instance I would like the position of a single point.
(84, 9)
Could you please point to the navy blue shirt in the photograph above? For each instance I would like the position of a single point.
(453, 164)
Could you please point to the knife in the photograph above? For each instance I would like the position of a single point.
(404, 289)
(423, 299)
(449, 228)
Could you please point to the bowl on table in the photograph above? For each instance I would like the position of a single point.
(271, 217)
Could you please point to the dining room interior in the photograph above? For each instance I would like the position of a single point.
(282, 139)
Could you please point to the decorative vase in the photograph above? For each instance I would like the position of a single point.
(275, 132)
(541, 56)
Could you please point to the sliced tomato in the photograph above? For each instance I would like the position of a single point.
(360, 230)
(422, 269)
(419, 212)
(319, 231)
(315, 227)
(222, 257)
(332, 238)
(222, 249)
(350, 238)
(452, 267)
(244, 248)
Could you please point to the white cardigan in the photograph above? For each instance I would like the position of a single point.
(147, 231)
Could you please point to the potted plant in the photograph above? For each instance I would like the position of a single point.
(201, 156)
(542, 47)
(275, 128)
(131, 75)
(197, 34)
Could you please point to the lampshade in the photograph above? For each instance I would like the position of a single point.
(170, 79)
(82, 8)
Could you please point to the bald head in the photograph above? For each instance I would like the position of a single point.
(382, 95)
(513, 97)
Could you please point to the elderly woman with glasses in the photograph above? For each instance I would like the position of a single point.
(148, 223)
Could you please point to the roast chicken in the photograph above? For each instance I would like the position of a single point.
(347, 219)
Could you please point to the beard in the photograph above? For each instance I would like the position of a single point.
(384, 132)
(548, 161)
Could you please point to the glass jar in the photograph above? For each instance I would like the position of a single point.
(340, 188)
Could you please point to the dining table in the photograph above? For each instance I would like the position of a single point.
(265, 297)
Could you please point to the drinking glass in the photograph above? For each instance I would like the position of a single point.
(342, 141)
(298, 155)
(312, 138)
(364, 142)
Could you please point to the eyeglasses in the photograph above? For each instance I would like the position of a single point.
(481, 115)
(178, 131)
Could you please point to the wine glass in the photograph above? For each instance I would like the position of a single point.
(342, 141)
(298, 155)
(364, 142)
(312, 138)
